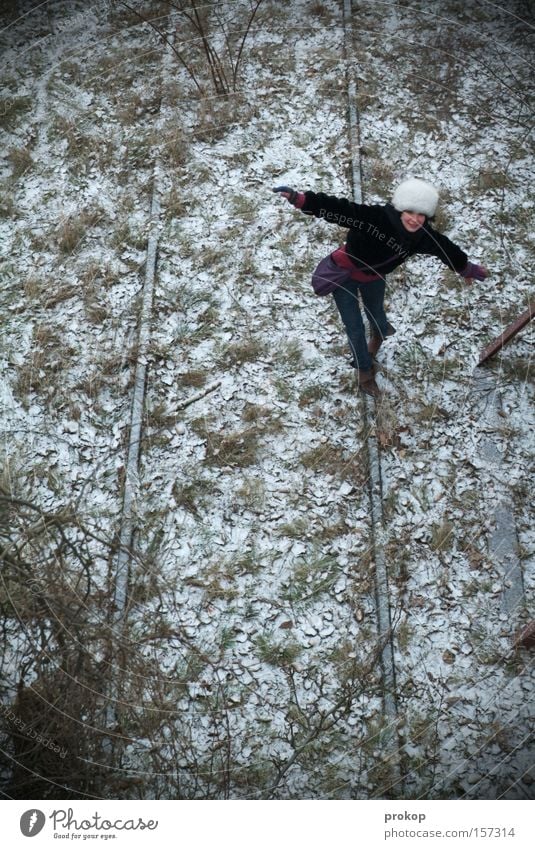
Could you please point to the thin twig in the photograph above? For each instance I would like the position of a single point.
(166, 41)
(197, 397)
(239, 56)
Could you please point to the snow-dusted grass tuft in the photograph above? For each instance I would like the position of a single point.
(71, 232)
(49, 356)
(7, 204)
(12, 109)
(21, 161)
(442, 536)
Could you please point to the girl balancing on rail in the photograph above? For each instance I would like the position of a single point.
(379, 238)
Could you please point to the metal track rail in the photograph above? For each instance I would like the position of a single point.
(375, 476)
(136, 418)
(127, 524)
(503, 544)
(121, 577)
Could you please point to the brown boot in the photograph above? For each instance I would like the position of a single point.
(376, 339)
(374, 344)
(367, 383)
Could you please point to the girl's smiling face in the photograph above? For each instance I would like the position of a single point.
(412, 221)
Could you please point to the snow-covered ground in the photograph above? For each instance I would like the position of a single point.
(251, 666)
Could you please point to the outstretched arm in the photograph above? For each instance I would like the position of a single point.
(438, 245)
(344, 213)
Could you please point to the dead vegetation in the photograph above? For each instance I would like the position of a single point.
(72, 231)
(48, 583)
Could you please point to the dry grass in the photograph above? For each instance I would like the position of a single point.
(46, 335)
(209, 256)
(49, 357)
(93, 275)
(159, 417)
(246, 351)
(251, 494)
(215, 117)
(83, 148)
(125, 235)
(243, 206)
(63, 293)
(79, 144)
(72, 231)
(517, 369)
(381, 175)
(121, 68)
(236, 448)
(443, 536)
(283, 653)
(290, 354)
(491, 178)
(135, 105)
(7, 205)
(193, 377)
(175, 204)
(33, 287)
(191, 493)
(92, 384)
(111, 363)
(311, 393)
(20, 160)
(334, 460)
(256, 412)
(48, 292)
(174, 146)
(96, 312)
(430, 412)
(387, 424)
(12, 108)
(319, 10)
(72, 70)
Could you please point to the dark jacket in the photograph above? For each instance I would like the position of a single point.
(377, 241)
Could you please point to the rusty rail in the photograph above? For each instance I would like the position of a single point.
(375, 480)
(509, 332)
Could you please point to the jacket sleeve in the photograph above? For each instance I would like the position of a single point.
(344, 213)
(436, 244)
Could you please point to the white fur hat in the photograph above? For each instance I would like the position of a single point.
(415, 195)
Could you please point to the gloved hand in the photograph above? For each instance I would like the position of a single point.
(297, 199)
(472, 271)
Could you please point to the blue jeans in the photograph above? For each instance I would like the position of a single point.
(347, 300)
